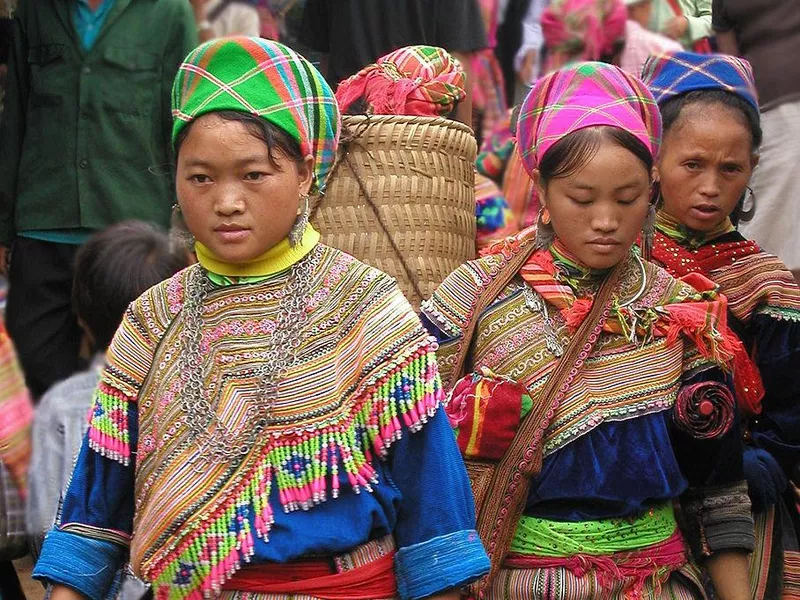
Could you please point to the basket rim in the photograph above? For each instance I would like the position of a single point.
(366, 120)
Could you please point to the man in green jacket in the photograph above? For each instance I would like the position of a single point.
(84, 143)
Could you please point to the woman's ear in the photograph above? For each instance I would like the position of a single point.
(655, 174)
(538, 185)
(305, 174)
(755, 158)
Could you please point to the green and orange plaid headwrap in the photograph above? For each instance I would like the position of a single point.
(415, 80)
(265, 79)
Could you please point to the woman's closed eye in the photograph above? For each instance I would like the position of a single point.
(581, 201)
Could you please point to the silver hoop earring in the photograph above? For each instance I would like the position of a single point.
(545, 235)
(649, 231)
(747, 207)
(300, 224)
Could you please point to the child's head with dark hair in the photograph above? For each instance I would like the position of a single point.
(115, 267)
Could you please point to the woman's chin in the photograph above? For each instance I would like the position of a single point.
(234, 253)
(603, 257)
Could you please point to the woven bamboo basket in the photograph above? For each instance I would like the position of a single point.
(402, 198)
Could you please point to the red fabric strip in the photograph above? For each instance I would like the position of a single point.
(314, 578)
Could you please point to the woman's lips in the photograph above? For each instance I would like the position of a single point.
(705, 212)
(231, 233)
(604, 245)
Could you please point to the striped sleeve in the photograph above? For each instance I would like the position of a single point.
(128, 362)
(448, 311)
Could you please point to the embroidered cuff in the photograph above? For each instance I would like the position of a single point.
(719, 520)
(439, 564)
(86, 565)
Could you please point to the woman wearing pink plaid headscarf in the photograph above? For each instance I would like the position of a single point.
(594, 425)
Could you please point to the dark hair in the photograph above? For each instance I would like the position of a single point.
(116, 266)
(671, 110)
(275, 138)
(573, 151)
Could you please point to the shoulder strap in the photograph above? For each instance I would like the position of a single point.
(500, 511)
(504, 277)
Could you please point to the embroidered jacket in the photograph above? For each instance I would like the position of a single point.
(356, 446)
(764, 302)
(611, 448)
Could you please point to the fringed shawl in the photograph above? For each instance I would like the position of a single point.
(365, 373)
(625, 377)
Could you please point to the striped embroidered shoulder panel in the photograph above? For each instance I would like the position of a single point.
(128, 363)
(620, 381)
(759, 284)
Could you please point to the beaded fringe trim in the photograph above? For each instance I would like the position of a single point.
(108, 424)
(307, 472)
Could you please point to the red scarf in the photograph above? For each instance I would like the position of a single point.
(680, 261)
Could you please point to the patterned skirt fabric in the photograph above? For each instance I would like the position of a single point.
(562, 584)
(252, 596)
(775, 561)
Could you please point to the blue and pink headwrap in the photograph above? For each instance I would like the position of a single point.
(677, 73)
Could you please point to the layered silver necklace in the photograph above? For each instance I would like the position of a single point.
(216, 442)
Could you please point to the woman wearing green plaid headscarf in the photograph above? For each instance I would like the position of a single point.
(281, 399)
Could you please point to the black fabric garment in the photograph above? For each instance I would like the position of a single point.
(509, 39)
(10, 588)
(355, 33)
(5, 39)
(39, 314)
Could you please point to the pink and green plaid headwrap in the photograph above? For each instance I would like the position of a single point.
(677, 73)
(580, 96)
(415, 80)
(265, 79)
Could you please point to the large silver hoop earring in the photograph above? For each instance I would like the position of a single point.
(747, 207)
(300, 224)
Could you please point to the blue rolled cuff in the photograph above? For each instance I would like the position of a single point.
(86, 565)
(440, 564)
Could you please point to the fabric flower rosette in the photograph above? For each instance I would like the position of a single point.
(704, 410)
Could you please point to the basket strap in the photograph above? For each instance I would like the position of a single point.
(410, 273)
(500, 511)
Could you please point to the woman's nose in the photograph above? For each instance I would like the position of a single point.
(230, 200)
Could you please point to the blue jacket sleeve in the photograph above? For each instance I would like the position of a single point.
(438, 547)
(94, 528)
(716, 510)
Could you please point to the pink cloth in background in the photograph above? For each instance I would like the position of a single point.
(584, 29)
(640, 43)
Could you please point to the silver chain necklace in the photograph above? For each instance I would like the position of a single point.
(215, 440)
